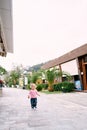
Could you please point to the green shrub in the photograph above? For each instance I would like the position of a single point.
(67, 86)
(57, 87)
(64, 87)
(39, 87)
(10, 84)
(44, 86)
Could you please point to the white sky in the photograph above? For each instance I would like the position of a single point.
(46, 29)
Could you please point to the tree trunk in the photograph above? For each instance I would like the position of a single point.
(50, 89)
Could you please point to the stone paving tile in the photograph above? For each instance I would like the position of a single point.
(55, 111)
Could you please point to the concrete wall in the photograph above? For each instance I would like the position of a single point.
(70, 67)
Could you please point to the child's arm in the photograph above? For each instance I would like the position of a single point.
(28, 96)
(37, 93)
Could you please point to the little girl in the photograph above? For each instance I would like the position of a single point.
(33, 95)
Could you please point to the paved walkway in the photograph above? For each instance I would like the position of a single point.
(54, 112)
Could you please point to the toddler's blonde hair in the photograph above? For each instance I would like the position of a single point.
(33, 85)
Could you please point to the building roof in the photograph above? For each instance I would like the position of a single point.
(6, 28)
(80, 51)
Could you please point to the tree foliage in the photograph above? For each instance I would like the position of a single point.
(2, 70)
(36, 76)
(13, 77)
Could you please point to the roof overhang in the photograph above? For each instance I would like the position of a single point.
(6, 28)
(80, 51)
(3, 47)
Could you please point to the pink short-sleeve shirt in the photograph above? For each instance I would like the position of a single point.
(33, 93)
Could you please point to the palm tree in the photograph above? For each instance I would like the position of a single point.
(67, 75)
(60, 74)
(36, 76)
(53, 74)
(14, 76)
(50, 76)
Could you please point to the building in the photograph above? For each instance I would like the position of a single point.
(6, 28)
(74, 62)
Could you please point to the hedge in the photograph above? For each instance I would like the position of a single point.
(64, 86)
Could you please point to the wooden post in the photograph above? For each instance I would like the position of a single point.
(61, 72)
(79, 72)
(84, 75)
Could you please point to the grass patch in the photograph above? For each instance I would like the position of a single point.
(47, 92)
